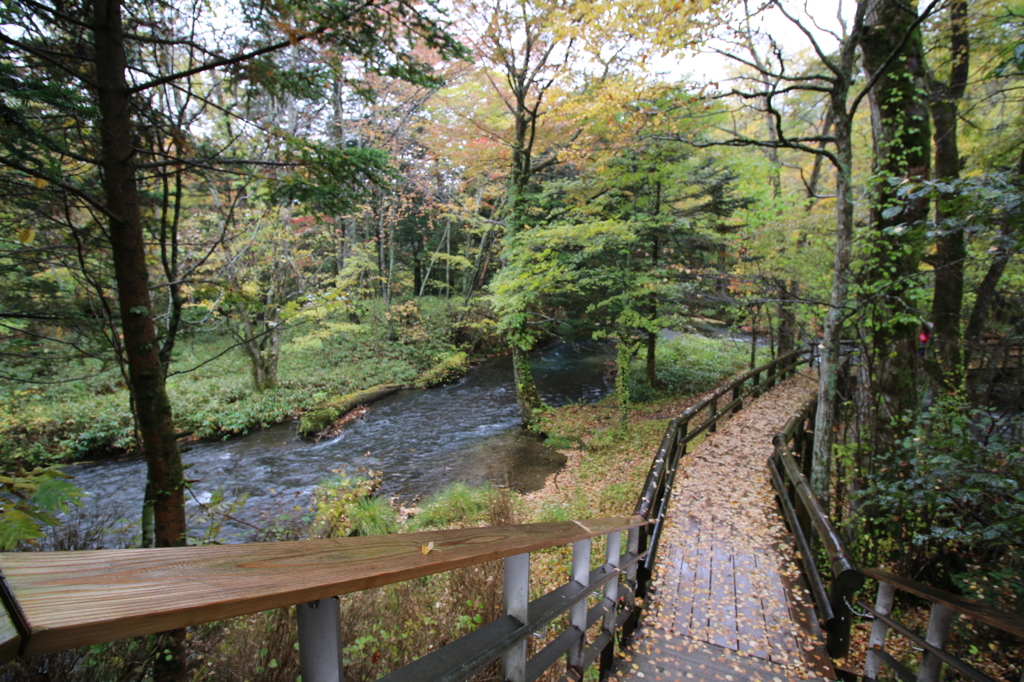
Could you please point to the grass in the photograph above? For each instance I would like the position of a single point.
(689, 364)
(211, 390)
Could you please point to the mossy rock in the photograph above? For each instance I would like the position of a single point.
(321, 418)
(450, 367)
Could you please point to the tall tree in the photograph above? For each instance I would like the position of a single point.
(833, 78)
(90, 47)
(887, 388)
(951, 243)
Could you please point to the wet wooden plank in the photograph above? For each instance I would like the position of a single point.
(72, 599)
(750, 627)
(782, 647)
(722, 609)
(686, 576)
(701, 593)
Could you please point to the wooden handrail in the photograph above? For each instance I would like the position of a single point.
(794, 492)
(69, 599)
(944, 608)
(1004, 620)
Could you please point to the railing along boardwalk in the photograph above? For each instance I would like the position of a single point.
(722, 599)
(944, 607)
(60, 600)
(724, 596)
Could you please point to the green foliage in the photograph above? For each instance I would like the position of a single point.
(335, 501)
(401, 344)
(373, 516)
(30, 500)
(687, 365)
(949, 504)
(458, 505)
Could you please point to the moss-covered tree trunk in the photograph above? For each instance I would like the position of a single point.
(887, 393)
(527, 394)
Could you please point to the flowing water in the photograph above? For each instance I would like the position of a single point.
(420, 441)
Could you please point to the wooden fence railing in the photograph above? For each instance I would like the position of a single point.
(944, 606)
(816, 537)
(61, 600)
(657, 490)
(812, 530)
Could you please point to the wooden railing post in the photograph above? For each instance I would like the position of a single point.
(320, 657)
(757, 384)
(712, 413)
(611, 594)
(838, 641)
(633, 548)
(938, 631)
(578, 611)
(737, 390)
(517, 600)
(879, 629)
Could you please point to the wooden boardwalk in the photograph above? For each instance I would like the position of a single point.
(726, 603)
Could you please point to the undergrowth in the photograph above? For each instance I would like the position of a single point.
(689, 364)
(210, 386)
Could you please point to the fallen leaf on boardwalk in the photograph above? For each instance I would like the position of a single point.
(724, 562)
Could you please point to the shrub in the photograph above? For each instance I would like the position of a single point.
(949, 503)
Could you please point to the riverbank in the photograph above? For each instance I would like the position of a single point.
(83, 411)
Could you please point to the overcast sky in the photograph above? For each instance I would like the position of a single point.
(709, 67)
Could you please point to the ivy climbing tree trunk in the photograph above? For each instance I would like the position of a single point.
(165, 482)
(887, 390)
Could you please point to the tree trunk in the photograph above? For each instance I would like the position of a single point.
(165, 479)
(828, 370)
(526, 388)
(950, 246)
(887, 394)
(652, 304)
(787, 293)
(985, 296)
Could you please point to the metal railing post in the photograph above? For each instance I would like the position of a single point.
(938, 631)
(876, 642)
(517, 599)
(611, 593)
(320, 656)
(578, 611)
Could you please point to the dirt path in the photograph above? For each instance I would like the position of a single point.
(724, 603)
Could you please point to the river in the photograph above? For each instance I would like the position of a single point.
(420, 441)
